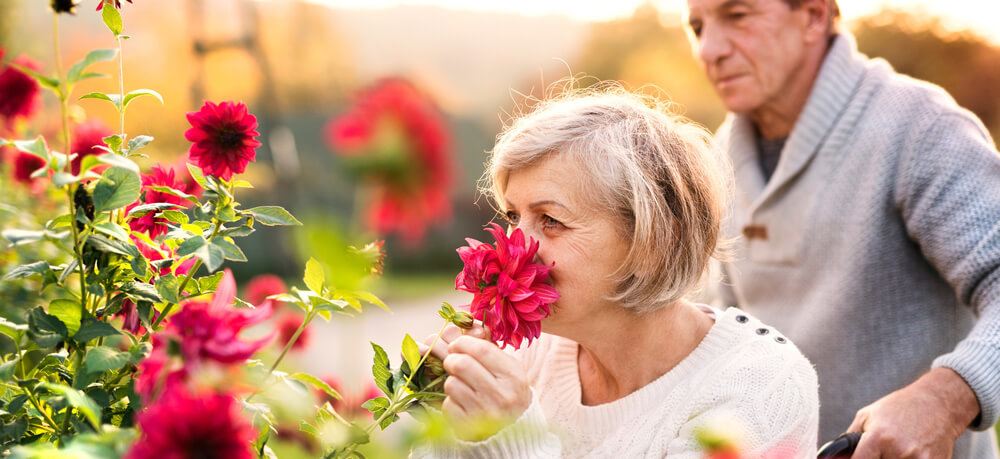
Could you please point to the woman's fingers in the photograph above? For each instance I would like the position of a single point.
(452, 408)
(461, 393)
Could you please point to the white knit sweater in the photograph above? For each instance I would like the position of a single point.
(744, 376)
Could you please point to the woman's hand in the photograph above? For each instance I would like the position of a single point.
(484, 381)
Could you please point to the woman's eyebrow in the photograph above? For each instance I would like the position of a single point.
(546, 202)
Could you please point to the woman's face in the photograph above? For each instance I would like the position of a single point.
(551, 202)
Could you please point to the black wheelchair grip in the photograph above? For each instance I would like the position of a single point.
(841, 447)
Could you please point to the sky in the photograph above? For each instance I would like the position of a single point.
(978, 15)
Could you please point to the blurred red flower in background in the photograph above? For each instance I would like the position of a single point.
(511, 293)
(19, 92)
(223, 138)
(395, 139)
(263, 286)
(87, 136)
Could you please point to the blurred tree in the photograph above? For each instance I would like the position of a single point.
(964, 64)
(644, 50)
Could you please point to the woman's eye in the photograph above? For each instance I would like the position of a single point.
(550, 222)
(737, 15)
(511, 217)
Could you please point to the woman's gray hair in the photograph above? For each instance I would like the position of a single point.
(654, 170)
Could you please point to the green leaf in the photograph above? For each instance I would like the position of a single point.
(132, 95)
(61, 179)
(199, 176)
(84, 404)
(209, 283)
(93, 57)
(167, 286)
(104, 358)
(112, 19)
(273, 216)
(11, 329)
(411, 352)
(118, 187)
(143, 209)
(175, 192)
(316, 383)
(115, 99)
(114, 142)
(191, 245)
(103, 244)
(138, 142)
(119, 161)
(92, 329)
(141, 291)
(381, 371)
(174, 216)
(21, 237)
(370, 298)
(35, 147)
(314, 277)
(46, 330)
(211, 255)
(68, 312)
(115, 231)
(231, 250)
(27, 270)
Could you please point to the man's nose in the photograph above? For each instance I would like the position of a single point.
(713, 46)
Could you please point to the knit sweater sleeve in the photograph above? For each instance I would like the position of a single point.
(770, 410)
(949, 196)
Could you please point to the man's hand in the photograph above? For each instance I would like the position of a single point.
(921, 420)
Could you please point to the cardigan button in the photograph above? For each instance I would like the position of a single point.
(742, 319)
(780, 340)
(762, 331)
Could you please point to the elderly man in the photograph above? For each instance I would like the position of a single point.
(868, 209)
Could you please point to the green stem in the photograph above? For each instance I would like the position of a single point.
(121, 87)
(187, 279)
(288, 346)
(69, 409)
(38, 406)
(63, 97)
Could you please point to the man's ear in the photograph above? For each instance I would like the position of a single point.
(819, 20)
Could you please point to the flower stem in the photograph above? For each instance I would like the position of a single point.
(284, 351)
(191, 273)
(63, 97)
(38, 406)
(121, 87)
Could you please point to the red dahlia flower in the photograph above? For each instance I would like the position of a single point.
(23, 164)
(223, 138)
(161, 176)
(87, 137)
(263, 286)
(19, 92)
(184, 426)
(395, 138)
(201, 332)
(118, 4)
(511, 294)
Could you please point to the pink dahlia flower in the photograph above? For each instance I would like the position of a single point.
(511, 293)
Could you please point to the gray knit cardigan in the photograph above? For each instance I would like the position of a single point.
(875, 246)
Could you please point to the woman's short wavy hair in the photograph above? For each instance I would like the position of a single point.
(653, 170)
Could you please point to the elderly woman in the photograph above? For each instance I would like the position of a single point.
(626, 200)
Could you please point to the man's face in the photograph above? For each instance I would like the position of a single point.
(749, 49)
